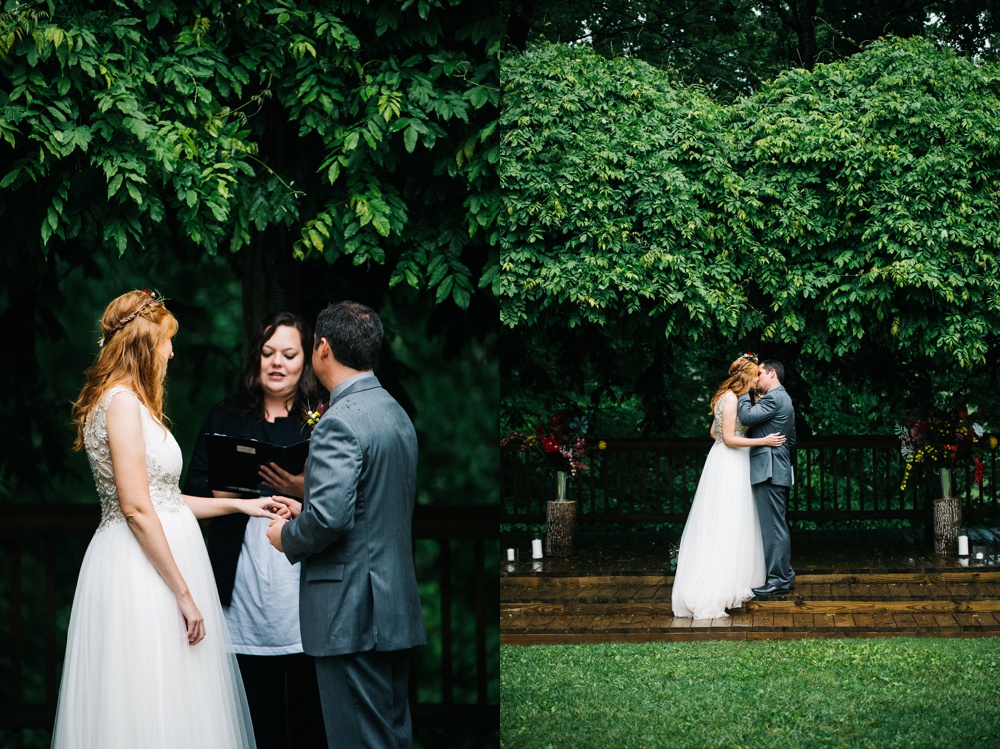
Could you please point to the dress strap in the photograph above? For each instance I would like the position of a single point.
(106, 401)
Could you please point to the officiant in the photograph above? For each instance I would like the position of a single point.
(278, 400)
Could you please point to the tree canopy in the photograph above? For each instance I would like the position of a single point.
(736, 46)
(844, 216)
(246, 158)
(357, 130)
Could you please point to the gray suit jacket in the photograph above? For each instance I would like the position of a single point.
(773, 412)
(358, 590)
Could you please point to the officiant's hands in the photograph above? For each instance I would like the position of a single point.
(273, 475)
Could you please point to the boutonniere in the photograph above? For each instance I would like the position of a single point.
(313, 415)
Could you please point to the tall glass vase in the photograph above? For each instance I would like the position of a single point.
(560, 521)
(945, 482)
(560, 486)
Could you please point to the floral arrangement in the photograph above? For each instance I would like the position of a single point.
(313, 415)
(945, 438)
(557, 444)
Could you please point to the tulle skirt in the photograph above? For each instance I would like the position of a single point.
(130, 680)
(721, 554)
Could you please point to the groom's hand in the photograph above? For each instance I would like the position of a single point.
(274, 533)
(287, 507)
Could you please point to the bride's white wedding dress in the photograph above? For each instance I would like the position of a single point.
(130, 680)
(721, 554)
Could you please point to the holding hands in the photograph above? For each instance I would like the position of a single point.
(293, 508)
(275, 508)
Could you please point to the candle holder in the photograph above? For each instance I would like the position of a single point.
(979, 553)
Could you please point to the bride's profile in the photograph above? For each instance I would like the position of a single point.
(721, 556)
(148, 661)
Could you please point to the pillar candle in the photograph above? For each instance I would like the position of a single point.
(963, 546)
(510, 555)
(536, 549)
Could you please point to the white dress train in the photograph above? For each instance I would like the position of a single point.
(130, 679)
(721, 554)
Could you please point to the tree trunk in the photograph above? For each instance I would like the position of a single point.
(947, 522)
(560, 525)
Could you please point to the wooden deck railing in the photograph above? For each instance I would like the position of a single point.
(455, 686)
(837, 478)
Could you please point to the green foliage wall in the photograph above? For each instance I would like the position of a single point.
(363, 129)
(844, 220)
(305, 151)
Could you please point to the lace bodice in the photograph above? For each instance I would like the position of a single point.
(163, 461)
(741, 429)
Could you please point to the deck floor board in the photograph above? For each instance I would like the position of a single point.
(849, 584)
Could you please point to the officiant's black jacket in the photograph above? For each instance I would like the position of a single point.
(225, 533)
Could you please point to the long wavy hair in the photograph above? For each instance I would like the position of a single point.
(132, 328)
(742, 376)
(308, 392)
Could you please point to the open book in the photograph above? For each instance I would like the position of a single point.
(233, 461)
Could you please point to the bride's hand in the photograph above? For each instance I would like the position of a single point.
(286, 508)
(194, 622)
(775, 439)
(263, 507)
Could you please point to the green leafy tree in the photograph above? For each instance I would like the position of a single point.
(317, 149)
(736, 46)
(843, 220)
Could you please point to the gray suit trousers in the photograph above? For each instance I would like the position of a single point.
(365, 699)
(772, 502)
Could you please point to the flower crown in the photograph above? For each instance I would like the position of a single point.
(154, 298)
(750, 356)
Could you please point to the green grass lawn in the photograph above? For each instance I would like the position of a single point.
(879, 693)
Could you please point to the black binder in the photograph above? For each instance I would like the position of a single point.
(233, 462)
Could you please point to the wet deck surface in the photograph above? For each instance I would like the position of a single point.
(616, 587)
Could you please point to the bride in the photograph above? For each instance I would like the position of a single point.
(721, 555)
(148, 660)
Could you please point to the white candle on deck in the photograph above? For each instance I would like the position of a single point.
(963, 546)
(510, 555)
(536, 549)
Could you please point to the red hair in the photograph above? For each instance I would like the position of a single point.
(742, 375)
(133, 326)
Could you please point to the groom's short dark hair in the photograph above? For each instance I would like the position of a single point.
(775, 366)
(354, 333)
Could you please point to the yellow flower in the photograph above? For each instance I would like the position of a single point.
(993, 442)
(602, 445)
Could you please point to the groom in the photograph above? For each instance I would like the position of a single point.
(358, 603)
(771, 472)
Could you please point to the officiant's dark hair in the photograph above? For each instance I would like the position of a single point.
(251, 395)
(354, 333)
(775, 366)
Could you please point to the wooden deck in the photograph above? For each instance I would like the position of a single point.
(849, 584)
